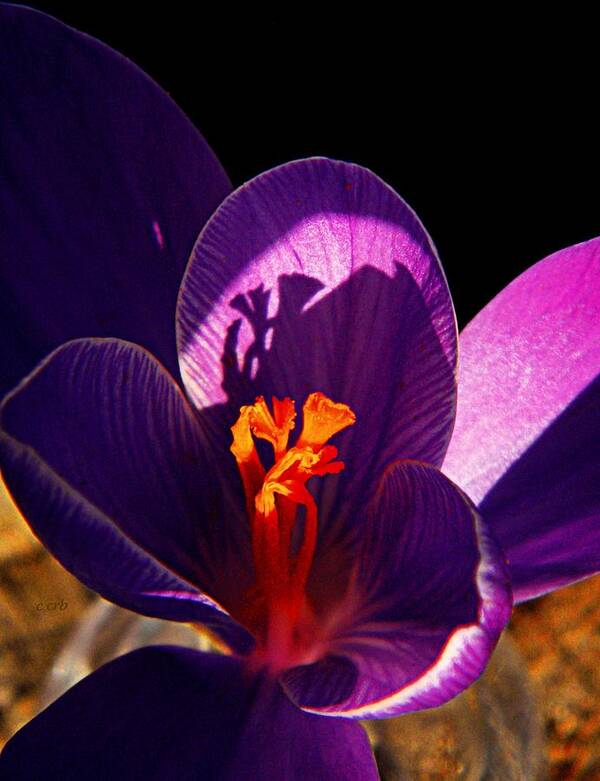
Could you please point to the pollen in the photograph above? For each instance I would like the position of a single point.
(277, 602)
(274, 428)
(322, 419)
(243, 444)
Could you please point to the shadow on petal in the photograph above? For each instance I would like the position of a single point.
(368, 343)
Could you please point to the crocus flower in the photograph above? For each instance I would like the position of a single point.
(287, 497)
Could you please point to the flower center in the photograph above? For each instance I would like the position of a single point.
(278, 610)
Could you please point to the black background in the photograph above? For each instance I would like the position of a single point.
(486, 124)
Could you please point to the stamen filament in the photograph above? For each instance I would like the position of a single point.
(287, 520)
(309, 543)
(272, 498)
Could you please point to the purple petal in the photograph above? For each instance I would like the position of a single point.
(525, 446)
(105, 459)
(105, 186)
(167, 712)
(423, 609)
(317, 276)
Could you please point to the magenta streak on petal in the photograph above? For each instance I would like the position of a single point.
(158, 234)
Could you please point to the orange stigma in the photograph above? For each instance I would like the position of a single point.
(279, 613)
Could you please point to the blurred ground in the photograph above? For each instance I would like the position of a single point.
(558, 635)
(39, 605)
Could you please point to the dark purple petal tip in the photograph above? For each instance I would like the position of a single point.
(105, 186)
(167, 712)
